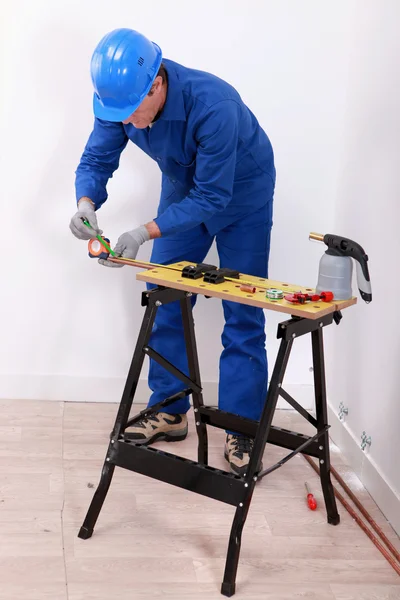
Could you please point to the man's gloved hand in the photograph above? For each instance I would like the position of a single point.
(85, 211)
(128, 245)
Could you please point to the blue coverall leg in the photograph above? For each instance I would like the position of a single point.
(243, 245)
(243, 381)
(167, 335)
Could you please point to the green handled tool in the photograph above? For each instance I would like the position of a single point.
(101, 240)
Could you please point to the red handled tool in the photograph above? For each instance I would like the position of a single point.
(300, 298)
(311, 501)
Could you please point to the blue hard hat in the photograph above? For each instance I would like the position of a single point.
(123, 68)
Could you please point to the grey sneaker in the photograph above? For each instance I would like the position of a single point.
(237, 452)
(160, 426)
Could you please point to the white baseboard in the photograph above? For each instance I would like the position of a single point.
(366, 470)
(67, 388)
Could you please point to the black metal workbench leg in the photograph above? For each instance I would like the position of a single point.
(232, 560)
(194, 374)
(235, 541)
(322, 421)
(86, 530)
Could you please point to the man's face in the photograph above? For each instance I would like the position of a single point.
(147, 110)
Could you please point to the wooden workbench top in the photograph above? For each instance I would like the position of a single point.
(228, 290)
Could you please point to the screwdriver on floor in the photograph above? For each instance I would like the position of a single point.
(311, 501)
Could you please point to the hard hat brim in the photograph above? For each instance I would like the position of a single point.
(107, 113)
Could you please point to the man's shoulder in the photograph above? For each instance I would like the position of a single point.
(201, 86)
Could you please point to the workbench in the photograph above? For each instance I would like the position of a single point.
(169, 285)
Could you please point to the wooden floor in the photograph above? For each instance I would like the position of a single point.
(156, 541)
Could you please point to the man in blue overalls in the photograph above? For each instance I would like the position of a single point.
(218, 179)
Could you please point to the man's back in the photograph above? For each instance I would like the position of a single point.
(195, 100)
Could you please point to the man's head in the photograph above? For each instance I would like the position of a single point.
(152, 104)
(125, 69)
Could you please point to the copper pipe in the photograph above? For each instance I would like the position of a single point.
(134, 263)
(359, 521)
(366, 514)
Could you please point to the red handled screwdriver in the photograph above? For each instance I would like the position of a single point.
(311, 501)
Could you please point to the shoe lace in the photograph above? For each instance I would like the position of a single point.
(147, 419)
(242, 444)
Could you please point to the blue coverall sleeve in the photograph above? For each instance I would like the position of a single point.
(217, 138)
(99, 160)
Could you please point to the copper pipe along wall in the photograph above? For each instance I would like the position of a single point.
(366, 514)
(359, 521)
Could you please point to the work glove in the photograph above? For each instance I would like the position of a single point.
(85, 211)
(128, 245)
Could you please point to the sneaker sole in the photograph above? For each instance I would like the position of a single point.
(174, 436)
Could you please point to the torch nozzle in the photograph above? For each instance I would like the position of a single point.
(319, 237)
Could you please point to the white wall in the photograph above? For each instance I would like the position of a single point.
(365, 349)
(69, 325)
(323, 80)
